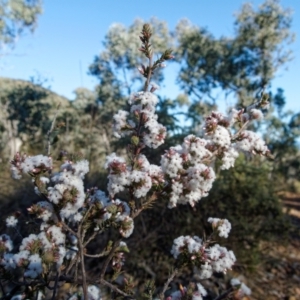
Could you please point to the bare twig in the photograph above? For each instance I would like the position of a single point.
(149, 74)
(95, 255)
(74, 260)
(240, 130)
(55, 285)
(109, 257)
(83, 273)
(92, 237)
(51, 130)
(66, 227)
(114, 288)
(224, 295)
(171, 277)
(84, 218)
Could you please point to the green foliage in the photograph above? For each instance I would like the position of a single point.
(243, 195)
(281, 135)
(244, 64)
(247, 198)
(17, 16)
(26, 113)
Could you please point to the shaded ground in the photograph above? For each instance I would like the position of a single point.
(278, 276)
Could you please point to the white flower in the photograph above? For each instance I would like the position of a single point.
(229, 157)
(222, 225)
(6, 241)
(243, 288)
(11, 221)
(221, 137)
(93, 293)
(35, 266)
(251, 142)
(256, 114)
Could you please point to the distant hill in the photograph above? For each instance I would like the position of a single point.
(8, 84)
(26, 110)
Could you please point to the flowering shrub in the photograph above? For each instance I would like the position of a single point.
(69, 218)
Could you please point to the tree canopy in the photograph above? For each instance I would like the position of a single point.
(17, 16)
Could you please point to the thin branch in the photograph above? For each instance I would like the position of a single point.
(66, 227)
(55, 285)
(74, 260)
(37, 295)
(83, 273)
(149, 74)
(224, 295)
(109, 257)
(92, 237)
(95, 255)
(171, 277)
(50, 131)
(84, 218)
(240, 130)
(114, 288)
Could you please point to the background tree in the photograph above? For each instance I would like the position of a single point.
(242, 65)
(16, 17)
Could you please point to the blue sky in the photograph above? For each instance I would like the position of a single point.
(70, 34)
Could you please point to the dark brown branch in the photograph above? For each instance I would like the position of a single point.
(55, 286)
(109, 257)
(171, 277)
(149, 74)
(95, 255)
(83, 273)
(114, 288)
(224, 295)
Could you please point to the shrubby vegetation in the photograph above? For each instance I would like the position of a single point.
(239, 66)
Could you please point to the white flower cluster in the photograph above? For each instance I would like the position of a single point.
(118, 178)
(142, 113)
(225, 144)
(114, 210)
(249, 141)
(45, 211)
(223, 226)
(228, 158)
(34, 250)
(220, 137)
(209, 259)
(185, 175)
(198, 295)
(94, 293)
(191, 244)
(68, 191)
(242, 288)
(140, 178)
(188, 167)
(30, 164)
(190, 179)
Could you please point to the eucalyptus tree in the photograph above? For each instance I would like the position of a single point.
(17, 17)
(242, 65)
